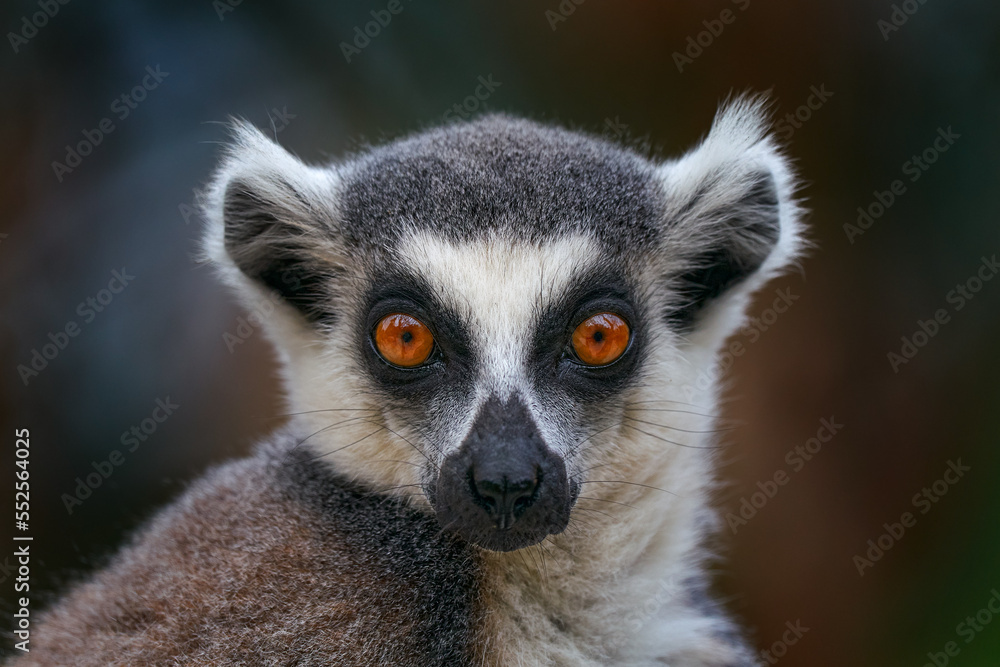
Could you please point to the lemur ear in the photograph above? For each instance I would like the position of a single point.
(272, 223)
(732, 221)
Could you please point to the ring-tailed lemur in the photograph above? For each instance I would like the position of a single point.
(491, 336)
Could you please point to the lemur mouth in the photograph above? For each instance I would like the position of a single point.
(491, 529)
(508, 540)
(503, 489)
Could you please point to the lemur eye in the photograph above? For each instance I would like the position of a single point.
(601, 339)
(403, 340)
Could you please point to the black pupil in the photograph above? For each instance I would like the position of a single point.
(598, 336)
(407, 336)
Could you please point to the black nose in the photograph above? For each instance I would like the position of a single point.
(503, 488)
(505, 500)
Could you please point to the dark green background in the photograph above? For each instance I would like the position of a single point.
(607, 64)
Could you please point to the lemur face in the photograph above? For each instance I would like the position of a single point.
(471, 313)
(503, 355)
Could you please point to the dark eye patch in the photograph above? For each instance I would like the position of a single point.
(452, 361)
(555, 365)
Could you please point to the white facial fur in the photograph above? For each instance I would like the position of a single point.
(499, 287)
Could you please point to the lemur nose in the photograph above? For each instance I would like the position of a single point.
(504, 500)
(503, 488)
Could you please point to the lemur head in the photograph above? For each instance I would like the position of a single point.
(479, 316)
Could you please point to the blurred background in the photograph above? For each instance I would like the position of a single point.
(110, 121)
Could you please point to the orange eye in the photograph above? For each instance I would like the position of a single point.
(601, 339)
(403, 340)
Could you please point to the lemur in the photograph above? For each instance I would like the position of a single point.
(491, 335)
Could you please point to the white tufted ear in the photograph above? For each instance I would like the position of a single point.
(732, 221)
(272, 224)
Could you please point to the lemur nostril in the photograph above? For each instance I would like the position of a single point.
(521, 504)
(503, 500)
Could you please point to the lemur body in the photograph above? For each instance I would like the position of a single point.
(509, 498)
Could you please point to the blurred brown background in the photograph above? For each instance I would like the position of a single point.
(885, 81)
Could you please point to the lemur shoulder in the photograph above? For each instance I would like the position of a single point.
(491, 336)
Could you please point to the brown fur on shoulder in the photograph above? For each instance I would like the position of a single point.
(268, 561)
